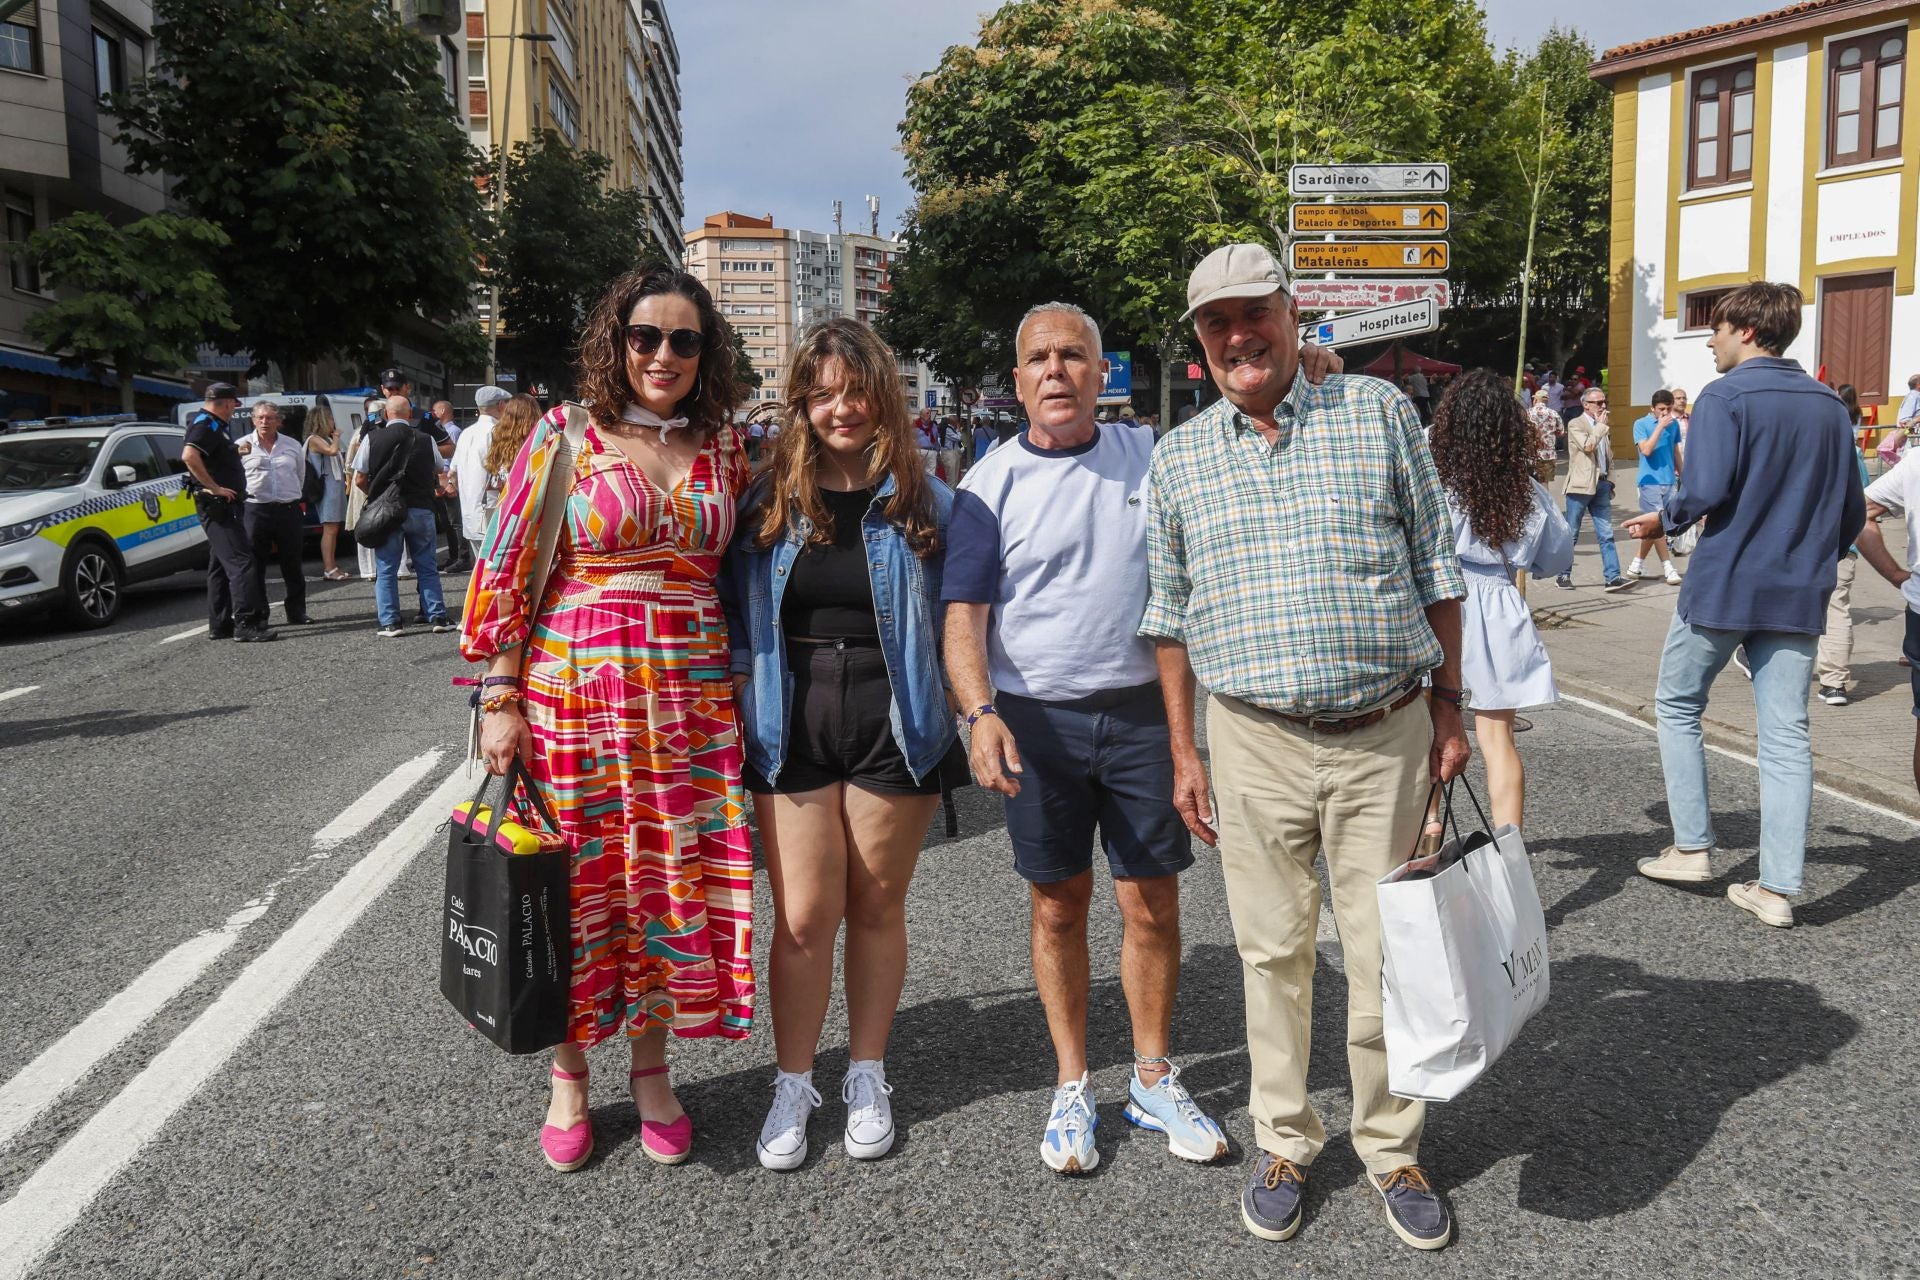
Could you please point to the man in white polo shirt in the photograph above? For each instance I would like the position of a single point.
(1046, 582)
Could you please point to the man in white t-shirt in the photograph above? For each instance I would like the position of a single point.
(1898, 491)
(478, 494)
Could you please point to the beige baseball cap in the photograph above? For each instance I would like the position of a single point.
(1234, 271)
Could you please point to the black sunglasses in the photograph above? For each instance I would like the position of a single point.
(644, 340)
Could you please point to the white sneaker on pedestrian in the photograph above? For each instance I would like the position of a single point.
(1068, 1145)
(1766, 907)
(1679, 866)
(1672, 575)
(783, 1138)
(1636, 569)
(869, 1114)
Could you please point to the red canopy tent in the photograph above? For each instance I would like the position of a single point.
(1409, 361)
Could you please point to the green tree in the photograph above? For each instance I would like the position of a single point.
(563, 237)
(743, 369)
(133, 298)
(1100, 148)
(319, 138)
(1569, 277)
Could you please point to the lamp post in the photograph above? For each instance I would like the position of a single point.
(500, 186)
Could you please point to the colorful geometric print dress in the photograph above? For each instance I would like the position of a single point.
(635, 742)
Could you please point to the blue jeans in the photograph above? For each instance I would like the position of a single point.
(415, 536)
(1600, 507)
(1782, 663)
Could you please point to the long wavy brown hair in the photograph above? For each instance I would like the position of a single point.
(512, 424)
(1484, 448)
(868, 365)
(603, 385)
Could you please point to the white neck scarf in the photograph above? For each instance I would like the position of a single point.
(647, 418)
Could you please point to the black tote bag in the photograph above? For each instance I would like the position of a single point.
(506, 952)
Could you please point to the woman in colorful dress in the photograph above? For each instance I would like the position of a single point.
(1504, 520)
(834, 588)
(623, 708)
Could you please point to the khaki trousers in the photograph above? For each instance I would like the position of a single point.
(1282, 794)
(1833, 661)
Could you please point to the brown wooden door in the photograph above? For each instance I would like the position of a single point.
(1856, 332)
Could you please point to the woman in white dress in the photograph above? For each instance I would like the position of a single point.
(1504, 521)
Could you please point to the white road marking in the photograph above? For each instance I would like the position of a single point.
(200, 630)
(21, 692)
(356, 817)
(41, 1082)
(63, 1188)
(1821, 787)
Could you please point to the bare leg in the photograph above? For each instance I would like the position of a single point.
(883, 835)
(806, 843)
(1506, 776)
(1916, 757)
(329, 540)
(1150, 964)
(653, 1095)
(568, 1106)
(1060, 967)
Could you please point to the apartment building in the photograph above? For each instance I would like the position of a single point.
(1772, 148)
(57, 156)
(772, 282)
(603, 74)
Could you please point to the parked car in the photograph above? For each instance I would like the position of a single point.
(87, 506)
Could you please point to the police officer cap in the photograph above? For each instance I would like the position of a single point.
(222, 391)
(393, 378)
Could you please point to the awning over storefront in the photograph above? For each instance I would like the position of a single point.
(34, 362)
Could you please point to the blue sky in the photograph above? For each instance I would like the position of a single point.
(823, 82)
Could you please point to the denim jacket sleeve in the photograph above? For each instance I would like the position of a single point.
(733, 587)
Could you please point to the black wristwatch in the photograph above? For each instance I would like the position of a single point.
(1444, 694)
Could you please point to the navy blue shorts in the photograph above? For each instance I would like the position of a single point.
(1911, 648)
(1105, 759)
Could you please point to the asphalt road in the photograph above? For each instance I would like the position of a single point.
(224, 1054)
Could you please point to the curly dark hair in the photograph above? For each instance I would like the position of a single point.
(1484, 447)
(603, 383)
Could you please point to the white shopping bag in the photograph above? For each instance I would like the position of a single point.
(1465, 962)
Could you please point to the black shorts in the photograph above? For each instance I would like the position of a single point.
(1106, 760)
(840, 726)
(1910, 647)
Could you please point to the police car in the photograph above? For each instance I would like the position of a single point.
(87, 506)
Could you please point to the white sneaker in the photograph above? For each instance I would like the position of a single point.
(1673, 575)
(869, 1114)
(1068, 1146)
(1634, 569)
(783, 1138)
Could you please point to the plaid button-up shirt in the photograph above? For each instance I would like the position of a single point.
(1297, 573)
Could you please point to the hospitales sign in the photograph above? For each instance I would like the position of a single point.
(1377, 324)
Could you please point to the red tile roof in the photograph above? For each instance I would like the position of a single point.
(1809, 13)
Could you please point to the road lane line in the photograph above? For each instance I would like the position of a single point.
(200, 630)
(63, 1188)
(356, 817)
(41, 1082)
(21, 692)
(1821, 787)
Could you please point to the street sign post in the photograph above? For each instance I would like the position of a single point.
(1368, 179)
(1369, 255)
(1355, 295)
(1375, 324)
(1380, 218)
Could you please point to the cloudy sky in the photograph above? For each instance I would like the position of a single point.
(792, 104)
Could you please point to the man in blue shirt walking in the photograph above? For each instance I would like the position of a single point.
(1770, 465)
(1657, 437)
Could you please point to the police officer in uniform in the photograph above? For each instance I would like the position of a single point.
(236, 595)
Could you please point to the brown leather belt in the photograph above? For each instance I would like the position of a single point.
(1350, 724)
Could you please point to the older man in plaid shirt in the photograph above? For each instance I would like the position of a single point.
(1302, 565)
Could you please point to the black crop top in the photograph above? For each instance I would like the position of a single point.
(830, 595)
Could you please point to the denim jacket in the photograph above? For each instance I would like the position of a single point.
(906, 603)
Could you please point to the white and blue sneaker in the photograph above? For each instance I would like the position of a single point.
(1168, 1108)
(1068, 1146)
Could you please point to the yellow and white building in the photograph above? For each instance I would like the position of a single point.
(1779, 147)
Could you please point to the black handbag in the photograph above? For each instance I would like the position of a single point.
(313, 487)
(506, 948)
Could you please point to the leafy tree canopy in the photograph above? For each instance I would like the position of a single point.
(319, 138)
(562, 240)
(132, 298)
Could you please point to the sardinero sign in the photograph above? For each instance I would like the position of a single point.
(1356, 295)
(1368, 179)
(1375, 324)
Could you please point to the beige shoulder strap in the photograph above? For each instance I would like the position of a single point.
(553, 509)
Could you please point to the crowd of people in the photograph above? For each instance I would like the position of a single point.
(838, 618)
